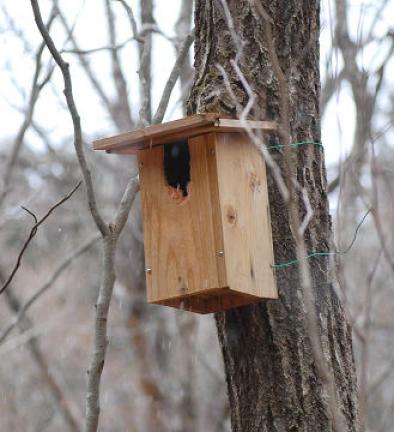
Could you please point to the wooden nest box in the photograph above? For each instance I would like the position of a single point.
(207, 230)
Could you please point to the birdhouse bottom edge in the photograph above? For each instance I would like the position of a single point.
(213, 300)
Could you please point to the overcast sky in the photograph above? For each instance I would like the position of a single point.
(16, 68)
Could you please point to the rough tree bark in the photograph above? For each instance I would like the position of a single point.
(273, 383)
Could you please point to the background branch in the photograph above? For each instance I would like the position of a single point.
(78, 142)
(57, 394)
(175, 72)
(36, 88)
(63, 266)
(33, 233)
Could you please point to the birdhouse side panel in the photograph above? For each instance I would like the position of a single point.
(181, 239)
(245, 216)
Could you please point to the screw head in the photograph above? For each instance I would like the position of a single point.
(148, 270)
(220, 253)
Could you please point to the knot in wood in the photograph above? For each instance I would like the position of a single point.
(231, 215)
(254, 182)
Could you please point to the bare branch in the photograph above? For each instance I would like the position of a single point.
(122, 103)
(63, 266)
(87, 68)
(60, 401)
(19, 33)
(165, 98)
(146, 27)
(99, 49)
(358, 79)
(131, 17)
(35, 90)
(145, 82)
(78, 142)
(125, 204)
(145, 67)
(32, 234)
(110, 237)
(331, 86)
(102, 307)
(182, 28)
(365, 107)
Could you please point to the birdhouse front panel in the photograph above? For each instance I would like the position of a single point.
(182, 239)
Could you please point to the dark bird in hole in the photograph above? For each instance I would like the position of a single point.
(177, 169)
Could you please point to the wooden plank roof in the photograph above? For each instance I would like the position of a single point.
(177, 130)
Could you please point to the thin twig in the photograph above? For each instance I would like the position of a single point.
(86, 66)
(63, 266)
(32, 234)
(146, 28)
(99, 49)
(131, 17)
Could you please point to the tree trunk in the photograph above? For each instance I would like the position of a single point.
(271, 373)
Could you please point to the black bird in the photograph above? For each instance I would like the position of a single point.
(177, 166)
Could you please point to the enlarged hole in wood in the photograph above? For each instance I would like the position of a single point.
(177, 168)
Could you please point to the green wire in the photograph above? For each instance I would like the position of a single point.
(315, 254)
(294, 145)
(297, 144)
(295, 261)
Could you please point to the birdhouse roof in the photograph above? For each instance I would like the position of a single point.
(177, 130)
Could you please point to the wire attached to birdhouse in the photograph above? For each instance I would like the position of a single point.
(296, 144)
(337, 252)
